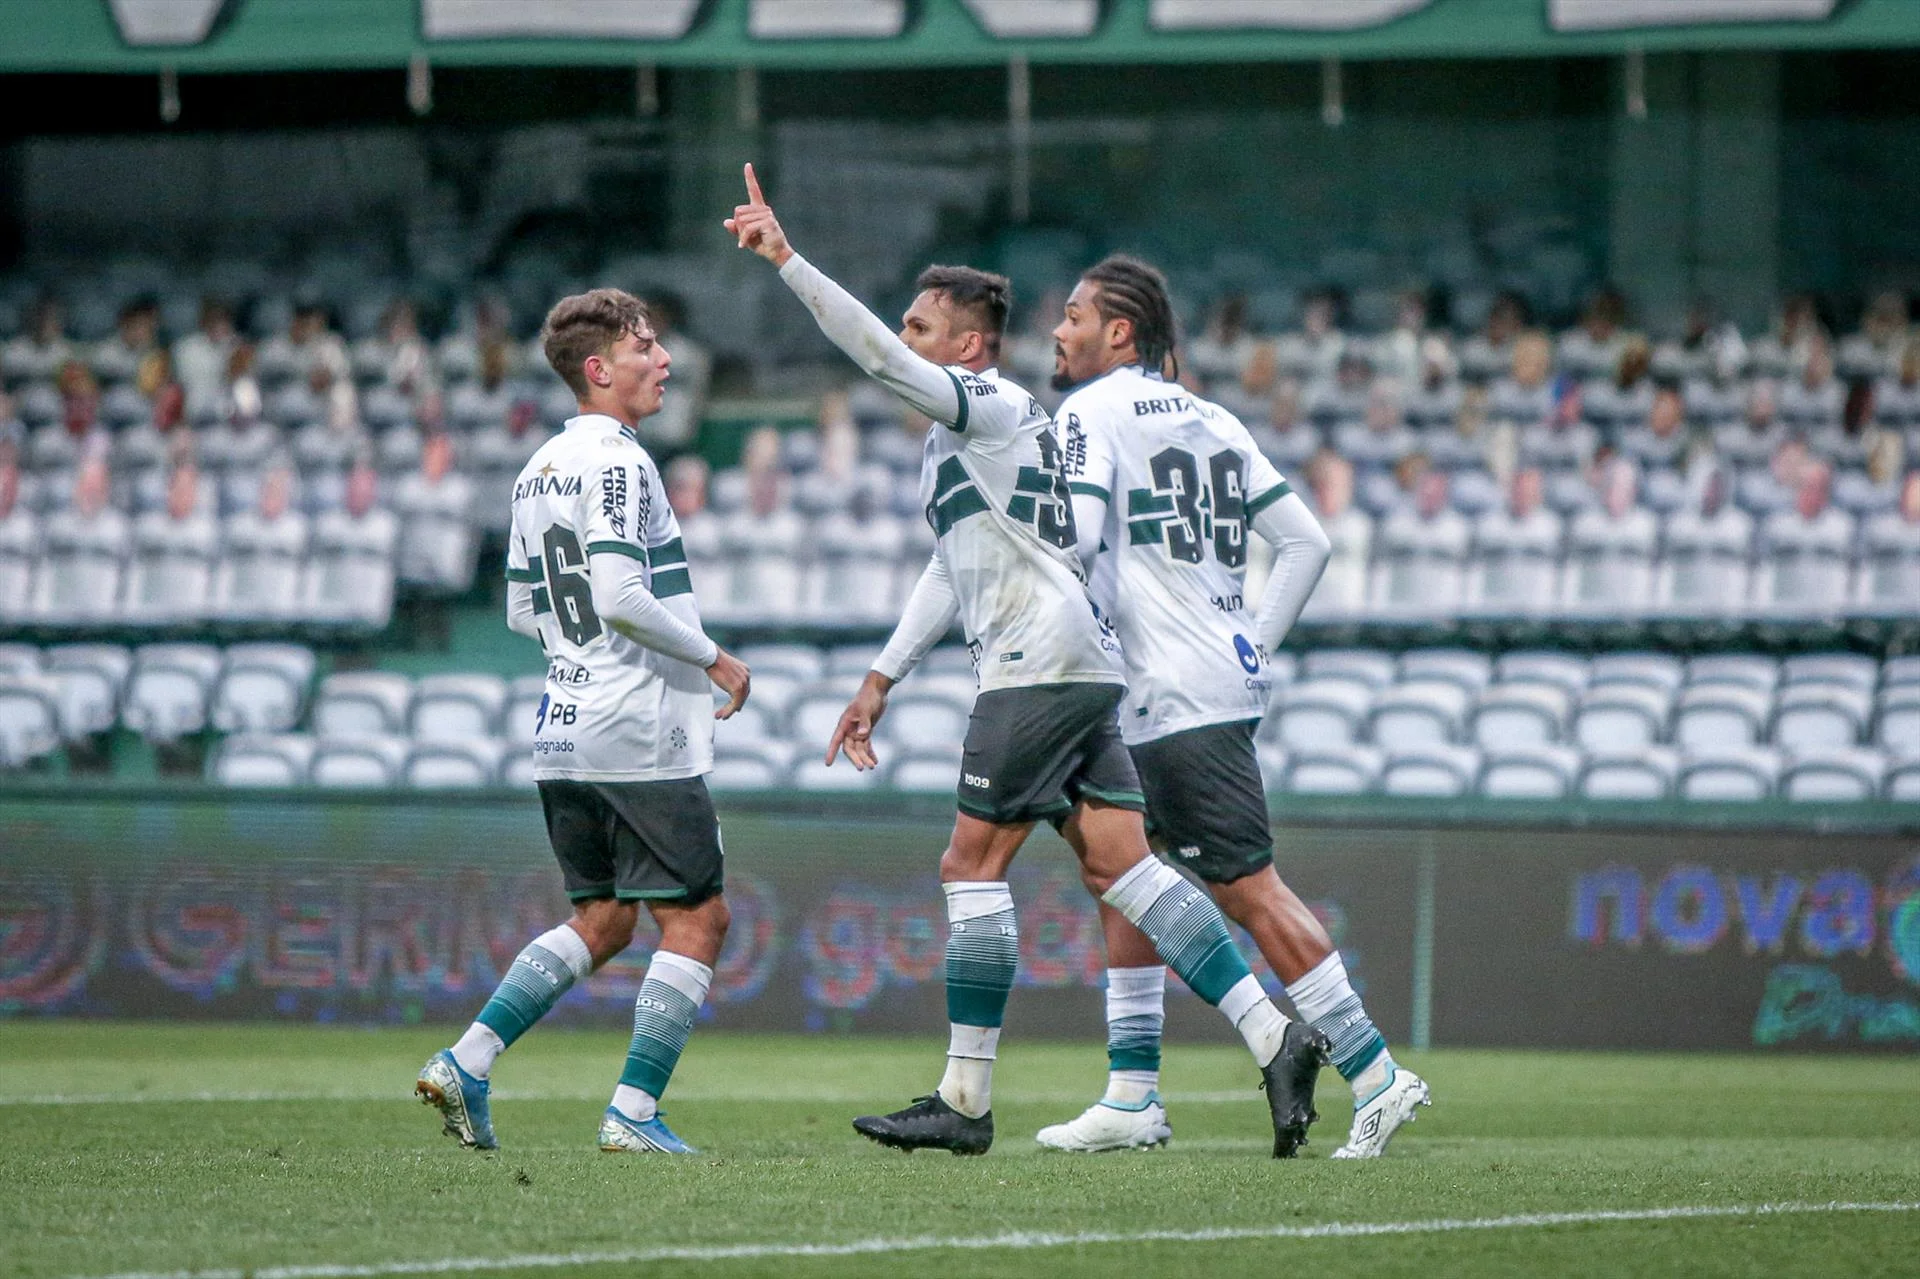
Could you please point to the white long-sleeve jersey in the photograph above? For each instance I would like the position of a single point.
(1172, 487)
(1005, 559)
(597, 574)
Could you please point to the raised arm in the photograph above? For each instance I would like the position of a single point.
(1301, 550)
(849, 325)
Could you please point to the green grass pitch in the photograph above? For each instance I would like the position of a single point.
(295, 1151)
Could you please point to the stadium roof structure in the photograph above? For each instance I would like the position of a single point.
(144, 36)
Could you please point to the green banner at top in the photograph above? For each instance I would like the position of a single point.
(274, 35)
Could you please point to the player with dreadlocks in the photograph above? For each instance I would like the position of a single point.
(1166, 488)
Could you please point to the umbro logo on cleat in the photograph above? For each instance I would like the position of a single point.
(1368, 1129)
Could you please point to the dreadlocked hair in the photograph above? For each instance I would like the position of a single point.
(1135, 291)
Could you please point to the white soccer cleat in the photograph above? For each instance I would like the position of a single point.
(1377, 1119)
(1105, 1126)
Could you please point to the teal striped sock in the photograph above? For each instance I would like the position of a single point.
(983, 952)
(1328, 1002)
(1184, 925)
(535, 981)
(663, 1016)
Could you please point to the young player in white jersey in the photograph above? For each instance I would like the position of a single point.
(624, 736)
(1042, 741)
(1167, 488)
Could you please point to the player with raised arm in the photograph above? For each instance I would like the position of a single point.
(1166, 490)
(1043, 741)
(624, 741)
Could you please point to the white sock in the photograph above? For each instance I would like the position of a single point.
(634, 1103)
(1260, 1023)
(968, 1084)
(477, 1050)
(1373, 1078)
(691, 978)
(1131, 1087)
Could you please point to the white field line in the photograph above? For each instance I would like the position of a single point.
(796, 1096)
(1018, 1241)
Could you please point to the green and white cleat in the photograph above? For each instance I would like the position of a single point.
(620, 1135)
(1376, 1119)
(1106, 1125)
(460, 1098)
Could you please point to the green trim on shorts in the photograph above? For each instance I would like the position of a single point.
(1132, 799)
(590, 894)
(1061, 808)
(649, 894)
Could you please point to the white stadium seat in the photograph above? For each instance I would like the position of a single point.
(362, 703)
(1900, 672)
(1617, 718)
(1542, 666)
(1371, 667)
(1437, 771)
(19, 659)
(262, 688)
(29, 719)
(746, 769)
(262, 760)
(92, 678)
(454, 708)
(1654, 670)
(517, 770)
(1533, 772)
(1712, 716)
(926, 773)
(372, 761)
(924, 722)
(1645, 774)
(1821, 715)
(1521, 714)
(1903, 780)
(1417, 713)
(1728, 773)
(171, 688)
(1897, 723)
(810, 773)
(449, 764)
(1746, 669)
(1322, 712)
(1332, 770)
(1470, 670)
(1844, 773)
(813, 719)
(521, 714)
(1855, 670)
(802, 662)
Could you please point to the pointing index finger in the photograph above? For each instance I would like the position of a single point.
(753, 186)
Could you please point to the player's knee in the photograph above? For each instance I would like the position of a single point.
(718, 917)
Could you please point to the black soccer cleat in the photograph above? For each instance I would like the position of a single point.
(1288, 1080)
(930, 1123)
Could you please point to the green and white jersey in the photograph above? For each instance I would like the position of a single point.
(614, 711)
(1182, 480)
(997, 499)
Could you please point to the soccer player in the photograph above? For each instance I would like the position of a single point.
(1043, 741)
(1167, 489)
(595, 572)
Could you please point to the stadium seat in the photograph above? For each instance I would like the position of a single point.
(1620, 718)
(16, 581)
(1520, 714)
(1366, 666)
(29, 719)
(1728, 773)
(262, 688)
(168, 581)
(1645, 774)
(1745, 669)
(1713, 716)
(1856, 670)
(1843, 773)
(1322, 713)
(924, 722)
(1900, 672)
(362, 703)
(19, 659)
(1417, 713)
(1823, 714)
(1332, 770)
(813, 719)
(172, 685)
(371, 761)
(1897, 719)
(1273, 767)
(454, 708)
(1542, 666)
(777, 691)
(262, 760)
(926, 772)
(92, 678)
(947, 659)
(1903, 780)
(748, 769)
(516, 769)
(1470, 670)
(1534, 772)
(850, 661)
(1438, 771)
(453, 764)
(801, 662)
(960, 689)
(1652, 670)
